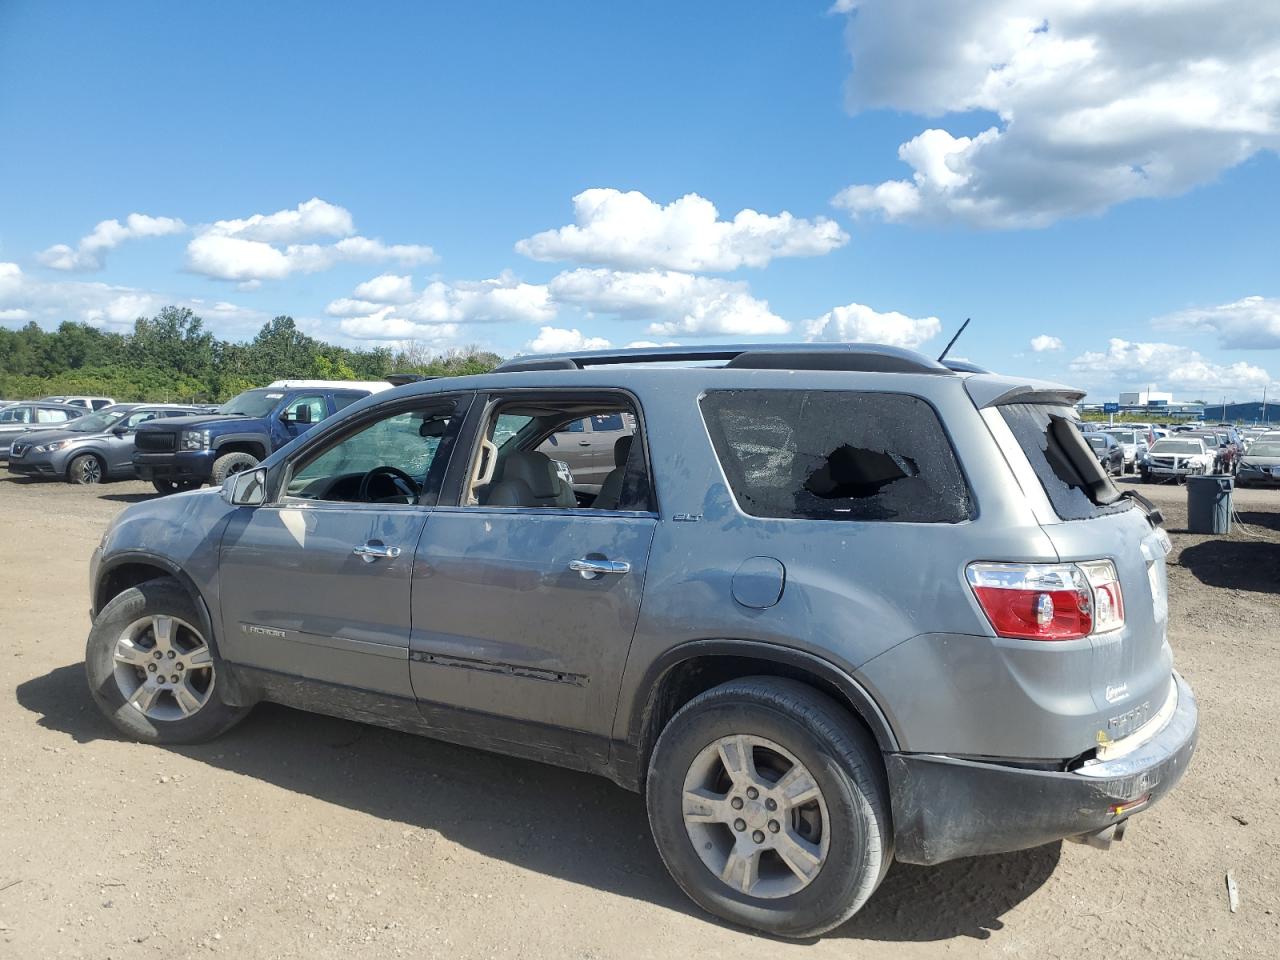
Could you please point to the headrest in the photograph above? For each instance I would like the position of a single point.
(534, 469)
(622, 450)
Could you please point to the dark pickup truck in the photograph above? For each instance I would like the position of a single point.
(182, 453)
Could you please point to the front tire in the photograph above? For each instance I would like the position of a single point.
(768, 804)
(230, 463)
(151, 670)
(86, 469)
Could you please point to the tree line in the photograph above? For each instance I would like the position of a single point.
(172, 357)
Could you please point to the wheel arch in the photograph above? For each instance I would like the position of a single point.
(135, 567)
(87, 451)
(253, 444)
(683, 672)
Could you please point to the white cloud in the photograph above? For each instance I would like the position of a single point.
(1184, 371)
(630, 231)
(49, 302)
(559, 340)
(1098, 101)
(859, 323)
(676, 304)
(89, 253)
(1252, 323)
(387, 310)
(314, 218)
(249, 250)
(1045, 342)
(387, 288)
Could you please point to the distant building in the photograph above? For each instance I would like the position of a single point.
(1146, 398)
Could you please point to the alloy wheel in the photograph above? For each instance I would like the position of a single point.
(164, 668)
(756, 816)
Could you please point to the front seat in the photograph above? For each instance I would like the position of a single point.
(611, 489)
(529, 479)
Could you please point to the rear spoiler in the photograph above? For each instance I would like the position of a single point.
(995, 391)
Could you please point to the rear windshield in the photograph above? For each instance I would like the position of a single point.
(1073, 480)
(1098, 443)
(836, 455)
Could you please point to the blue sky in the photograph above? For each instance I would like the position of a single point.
(1082, 178)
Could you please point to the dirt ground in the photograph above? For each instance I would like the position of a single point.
(298, 835)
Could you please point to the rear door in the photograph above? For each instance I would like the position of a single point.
(504, 627)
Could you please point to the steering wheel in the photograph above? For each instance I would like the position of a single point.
(401, 480)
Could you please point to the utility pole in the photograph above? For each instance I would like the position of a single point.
(1224, 409)
(1264, 404)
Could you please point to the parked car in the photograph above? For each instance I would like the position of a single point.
(587, 448)
(1177, 458)
(1261, 465)
(1134, 440)
(88, 403)
(187, 452)
(795, 715)
(23, 417)
(1226, 448)
(1108, 450)
(91, 449)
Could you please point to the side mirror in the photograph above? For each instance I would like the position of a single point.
(300, 414)
(246, 489)
(119, 431)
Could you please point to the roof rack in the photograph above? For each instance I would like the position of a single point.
(864, 357)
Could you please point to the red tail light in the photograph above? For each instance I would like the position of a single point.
(1048, 601)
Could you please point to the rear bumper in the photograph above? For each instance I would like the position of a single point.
(945, 808)
(184, 465)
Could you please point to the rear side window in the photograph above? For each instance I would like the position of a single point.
(1073, 480)
(836, 455)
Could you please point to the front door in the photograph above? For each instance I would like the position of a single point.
(317, 584)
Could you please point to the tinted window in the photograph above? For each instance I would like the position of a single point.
(341, 400)
(607, 421)
(1098, 443)
(1071, 476)
(16, 415)
(836, 455)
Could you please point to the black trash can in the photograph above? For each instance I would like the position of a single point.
(1209, 503)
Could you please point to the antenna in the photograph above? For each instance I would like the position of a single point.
(942, 356)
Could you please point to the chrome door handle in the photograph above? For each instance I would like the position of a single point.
(369, 552)
(590, 569)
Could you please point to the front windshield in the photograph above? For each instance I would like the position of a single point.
(1269, 449)
(100, 421)
(1177, 446)
(252, 403)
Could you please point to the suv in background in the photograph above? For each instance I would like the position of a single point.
(92, 449)
(183, 453)
(784, 617)
(23, 417)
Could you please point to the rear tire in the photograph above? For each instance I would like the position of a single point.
(805, 850)
(87, 468)
(158, 617)
(230, 463)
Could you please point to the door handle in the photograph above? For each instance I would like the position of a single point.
(371, 551)
(591, 569)
(584, 443)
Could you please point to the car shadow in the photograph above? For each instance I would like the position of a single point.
(1236, 564)
(573, 826)
(127, 497)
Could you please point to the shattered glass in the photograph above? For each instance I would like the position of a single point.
(1075, 496)
(836, 455)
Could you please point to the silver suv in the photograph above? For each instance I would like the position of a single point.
(829, 606)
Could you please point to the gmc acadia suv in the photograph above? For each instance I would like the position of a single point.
(828, 606)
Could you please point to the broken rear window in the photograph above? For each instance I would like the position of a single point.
(1072, 478)
(836, 455)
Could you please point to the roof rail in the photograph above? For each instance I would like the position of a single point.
(872, 357)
